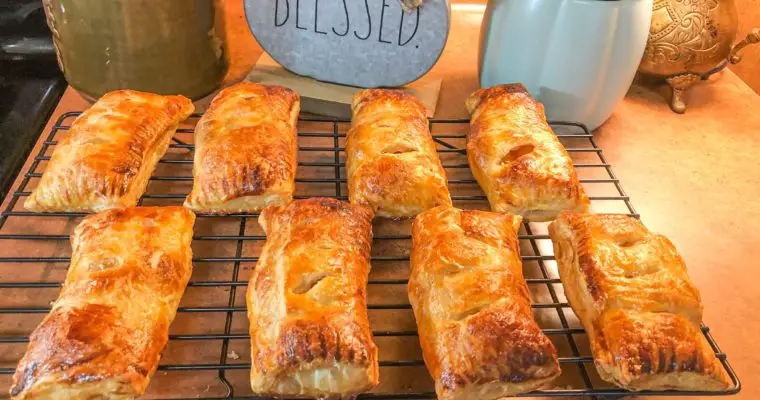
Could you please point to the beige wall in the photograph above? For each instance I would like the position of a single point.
(749, 68)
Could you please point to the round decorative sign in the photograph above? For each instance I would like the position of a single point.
(370, 43)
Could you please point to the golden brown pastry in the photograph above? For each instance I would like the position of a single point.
(516, 157)
(472, 305)
(391, 160)
(104, 335)
(642, 314)
(245, 150)
(110, 151)
(307, 302)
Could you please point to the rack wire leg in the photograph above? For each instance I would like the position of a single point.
(231, 304)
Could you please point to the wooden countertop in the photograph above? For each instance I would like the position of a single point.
(693, 177)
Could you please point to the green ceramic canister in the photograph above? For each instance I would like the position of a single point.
(158, 46)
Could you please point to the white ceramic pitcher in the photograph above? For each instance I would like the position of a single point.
(578, 57)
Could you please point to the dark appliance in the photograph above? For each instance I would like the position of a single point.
(30, 83)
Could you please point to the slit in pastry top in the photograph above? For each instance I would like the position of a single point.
(391, 159)
(516, 157)
(109, 153)
(245, 150)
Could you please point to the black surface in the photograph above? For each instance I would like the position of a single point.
(26, 105)
(30, 83)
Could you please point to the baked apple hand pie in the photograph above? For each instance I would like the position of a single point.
(642, 314)
(109, 153)
(104, 334)
(391, 160)
(307, 302)
(245, 150)
(516, 157)
(472, 306)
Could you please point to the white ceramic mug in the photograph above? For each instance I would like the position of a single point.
(578, 57)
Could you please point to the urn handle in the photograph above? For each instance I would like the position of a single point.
(752, 38)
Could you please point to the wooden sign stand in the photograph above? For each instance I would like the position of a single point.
(331, 99)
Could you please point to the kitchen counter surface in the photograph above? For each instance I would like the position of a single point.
(693, 177)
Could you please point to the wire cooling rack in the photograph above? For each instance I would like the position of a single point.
(208, 353)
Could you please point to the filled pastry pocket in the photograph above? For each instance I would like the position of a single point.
(631, 292)
(516, 157)
(245, 150)
(476, 328)
(110, 152)
(391, 160)
(306, 302)
(104, 334)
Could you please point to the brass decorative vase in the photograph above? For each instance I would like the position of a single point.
(689, 40)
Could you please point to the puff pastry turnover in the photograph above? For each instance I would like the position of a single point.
(245, 150)
(104, 334)
(307, 302)
(391, 160)
(472, 306)
(516, 157)
(630, 289)
(111, 150)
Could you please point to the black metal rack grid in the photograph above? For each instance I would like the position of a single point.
(207, 351)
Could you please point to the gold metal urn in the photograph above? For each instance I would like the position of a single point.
(689, 40)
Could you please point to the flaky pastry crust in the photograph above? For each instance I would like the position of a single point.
(391, 160)
(516, 157)
(104, 334)
(472, 306)
(306, 299)
(642, 314)
(109, 153)
(245, 150)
